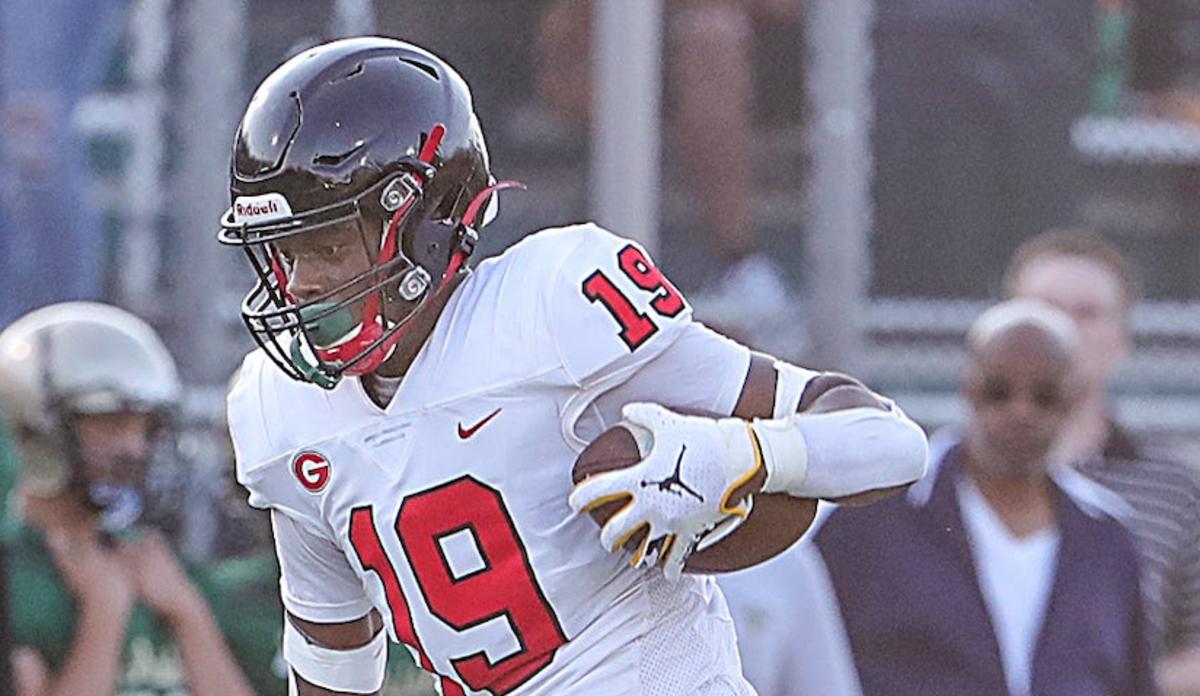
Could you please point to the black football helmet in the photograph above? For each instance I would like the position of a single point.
(371, 132)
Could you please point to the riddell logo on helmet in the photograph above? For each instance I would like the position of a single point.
(311, 470)
(259, 209)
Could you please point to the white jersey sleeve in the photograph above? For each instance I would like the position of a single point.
(623, 333)
(610, 308)
(258, 448)
(316, 581)
(701, 372)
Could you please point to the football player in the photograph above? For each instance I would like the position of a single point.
(412, 423)
(99, 603)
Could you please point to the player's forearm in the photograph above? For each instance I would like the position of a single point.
(828, 436)
(93, 664)
(207, 661)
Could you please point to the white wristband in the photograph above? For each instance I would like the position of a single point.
(357, 671)
(784, 452)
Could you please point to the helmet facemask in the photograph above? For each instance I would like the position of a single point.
(115, 483)
(376, 134)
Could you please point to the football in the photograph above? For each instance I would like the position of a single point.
(615, 448)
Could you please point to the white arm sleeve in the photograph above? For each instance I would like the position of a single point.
(316, 582)
(841, 453)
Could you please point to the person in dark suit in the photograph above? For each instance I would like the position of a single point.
(997, 574)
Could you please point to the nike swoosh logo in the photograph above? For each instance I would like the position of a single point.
(465, 433)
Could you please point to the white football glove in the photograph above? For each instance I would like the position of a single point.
(680, 490)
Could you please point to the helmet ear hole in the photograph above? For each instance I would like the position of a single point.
(427, 243)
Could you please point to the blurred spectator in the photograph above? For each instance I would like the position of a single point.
(1082, 274)
(790, 634)
(721, 88)
(100, 603)
(51, 56)
(974, 104)
(1164, 39)
(992, 575)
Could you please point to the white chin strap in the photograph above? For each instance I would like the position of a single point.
(493, 206)
(355, 671)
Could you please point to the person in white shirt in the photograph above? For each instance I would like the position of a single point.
(996, 575)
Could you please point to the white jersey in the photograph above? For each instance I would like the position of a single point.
(447, 510)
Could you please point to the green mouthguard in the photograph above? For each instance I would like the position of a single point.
(326, 324)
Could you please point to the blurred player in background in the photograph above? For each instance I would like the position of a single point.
(8, 478)
(1086, 277)
(100, 604)
(412, 423)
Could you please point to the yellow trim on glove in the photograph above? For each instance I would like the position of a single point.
(665, 549)
(743, 510)
(631, 534)
(605, 499)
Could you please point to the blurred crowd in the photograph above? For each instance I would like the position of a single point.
(1050, 550)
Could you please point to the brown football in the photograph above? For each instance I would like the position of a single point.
(615, 448)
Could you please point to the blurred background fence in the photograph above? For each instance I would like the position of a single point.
(889, 158)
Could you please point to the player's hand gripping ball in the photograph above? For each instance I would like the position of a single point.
(660, 481)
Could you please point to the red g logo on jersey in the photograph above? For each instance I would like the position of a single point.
(312, 470)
